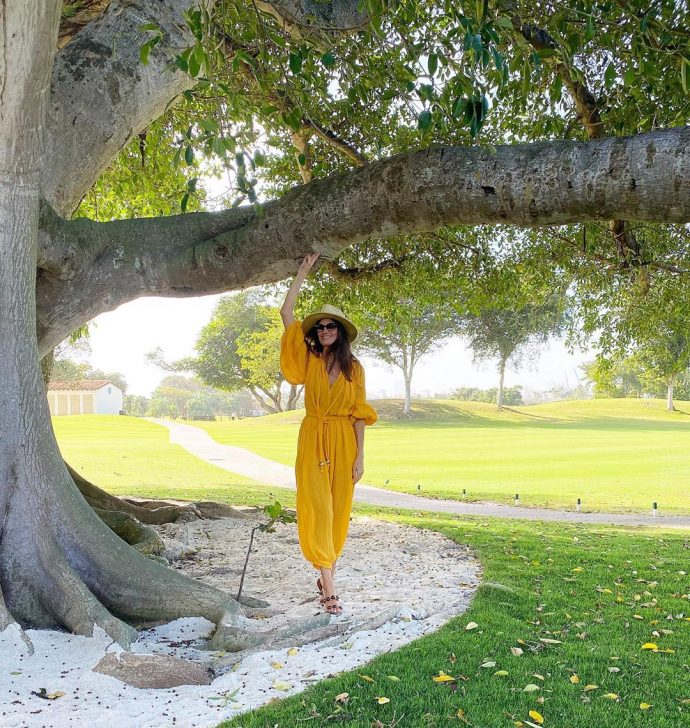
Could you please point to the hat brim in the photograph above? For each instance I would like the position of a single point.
(314, 318)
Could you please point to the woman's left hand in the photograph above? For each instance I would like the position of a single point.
(358, 469)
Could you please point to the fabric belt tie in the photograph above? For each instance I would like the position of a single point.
(322, 436)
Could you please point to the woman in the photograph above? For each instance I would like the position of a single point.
(330, 450)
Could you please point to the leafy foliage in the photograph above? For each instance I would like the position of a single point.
(240, 349)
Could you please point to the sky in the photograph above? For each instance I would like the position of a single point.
(121, 339)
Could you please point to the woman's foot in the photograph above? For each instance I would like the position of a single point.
(331, 604)
(319, 587)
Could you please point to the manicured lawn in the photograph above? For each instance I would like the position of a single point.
(579, 603)
(616, 455)
(130, 456)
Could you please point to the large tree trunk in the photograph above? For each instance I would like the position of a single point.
(60, 565)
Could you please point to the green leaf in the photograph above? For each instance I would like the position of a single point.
(684, 63)
(184, 201)
(189, 155)
(149, 26)
(144, 53)
(328, 59)
(209, 126)
(629, 77)
(609, 75)
(302, 160)
(432, 64)
(479, 9)
(296, 62)
(424, 120)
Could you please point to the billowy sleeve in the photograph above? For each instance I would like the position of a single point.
(294, 354)
(361, 409)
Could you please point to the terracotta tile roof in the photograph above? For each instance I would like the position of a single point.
(83, 384)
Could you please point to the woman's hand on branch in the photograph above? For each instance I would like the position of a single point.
(307, 263)
(287, 309)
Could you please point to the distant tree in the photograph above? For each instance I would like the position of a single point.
(403, 312)
(66, 370)
(645, 344)
(136, 404)
(511, 395)
(189, 398)
(240, 349)
(644, 373)
(510, 334)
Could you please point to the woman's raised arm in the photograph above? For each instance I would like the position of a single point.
(288, 307)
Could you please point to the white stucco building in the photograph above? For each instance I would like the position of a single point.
(86, 397)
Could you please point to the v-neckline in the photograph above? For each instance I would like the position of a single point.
(328, 377)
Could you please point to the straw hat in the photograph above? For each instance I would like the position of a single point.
(334, 313)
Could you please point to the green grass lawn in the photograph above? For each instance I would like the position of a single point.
(130, 456)
(579, 603)
(616, 455)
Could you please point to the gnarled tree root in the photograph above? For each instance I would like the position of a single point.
(146, 512)
(141, 537)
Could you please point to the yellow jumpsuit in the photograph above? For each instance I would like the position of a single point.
(326, 448)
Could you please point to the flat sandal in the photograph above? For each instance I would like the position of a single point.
(333, 608)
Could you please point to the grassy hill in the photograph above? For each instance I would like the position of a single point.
(617, 455)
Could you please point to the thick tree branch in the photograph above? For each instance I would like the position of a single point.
(645, 177)
(303, 17)
(101, 92)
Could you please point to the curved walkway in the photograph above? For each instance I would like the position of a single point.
(244, 462)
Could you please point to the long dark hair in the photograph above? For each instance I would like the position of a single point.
(339, 352)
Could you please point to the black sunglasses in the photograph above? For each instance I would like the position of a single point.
(328, 327)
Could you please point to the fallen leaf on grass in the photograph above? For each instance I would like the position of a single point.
(614, 669)
(530, 688)
(538, 717)
(574, 679)
(488, 663)
(500, 673)
(342, 697)
(649, 646)
(588, 688)
(610, 696)
(394, 678)
(471, 625)
(367, 678)
(645, 706)
(442, 677)
(549, 641)
(517, 651)
(381, 700)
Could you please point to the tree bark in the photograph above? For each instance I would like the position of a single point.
(60, 566)
(669, 396)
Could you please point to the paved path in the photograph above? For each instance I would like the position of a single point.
(241, 461)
